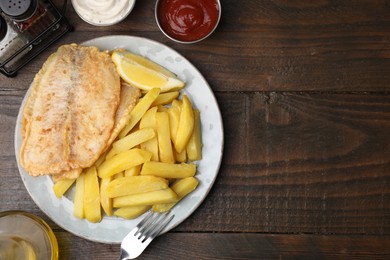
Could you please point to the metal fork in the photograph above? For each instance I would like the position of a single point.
(140, 237)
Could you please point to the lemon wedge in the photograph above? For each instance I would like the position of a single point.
(146, 63)
(144, 73)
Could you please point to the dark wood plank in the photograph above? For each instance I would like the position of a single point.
(264, 66)
(359, 16)
(333, 46)
(293, 162)
(303, 163)
(303, 88)
(236, 246)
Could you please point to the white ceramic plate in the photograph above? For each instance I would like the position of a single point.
(113, 229)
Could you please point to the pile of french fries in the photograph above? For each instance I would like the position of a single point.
(150, 165)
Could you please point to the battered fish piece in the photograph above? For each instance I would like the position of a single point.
(72, 174)
(70, 114)
(128, 99)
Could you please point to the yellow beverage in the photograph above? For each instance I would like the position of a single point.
(13, 247)
(26, 236)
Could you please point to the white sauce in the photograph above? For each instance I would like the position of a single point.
(103, 12)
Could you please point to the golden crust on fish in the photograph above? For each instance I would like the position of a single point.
(72, 174)
(129, 97)
(70, 114)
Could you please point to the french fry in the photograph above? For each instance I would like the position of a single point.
(180, 157)
(162, 108)
(133, 139)
(164, 138)
(165, 98)
(133, 171)
(152, 146)
(123, 161)
(92, 209)
(135, 184)
(146, 198)
(118, 175)
(174, 118)
(131, 212)
(149, 120)
(102, 157)
(186, 125)
(168, 170)
(185, 186)
(78, 207)
(105, 200)
(177, 103)
(194, 146)
(182, 188)
(139, 110)
(109, 155)
(60, 187)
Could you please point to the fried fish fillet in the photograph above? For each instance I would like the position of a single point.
(128, 99)
(69, 116)
(72, 174)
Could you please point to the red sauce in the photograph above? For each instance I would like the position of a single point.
(188, 20)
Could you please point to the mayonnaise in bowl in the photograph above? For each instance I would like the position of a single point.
(103, 12)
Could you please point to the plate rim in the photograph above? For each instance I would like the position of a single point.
(89, 42)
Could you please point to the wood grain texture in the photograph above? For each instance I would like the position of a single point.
(303, 88)
(333, 46)
(293, 162)
(263, 68)
(238, 246)
(307, 161)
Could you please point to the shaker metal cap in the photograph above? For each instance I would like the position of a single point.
(18, 9)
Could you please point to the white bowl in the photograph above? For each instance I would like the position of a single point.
(93, 12)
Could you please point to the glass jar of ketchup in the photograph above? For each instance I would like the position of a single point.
(188, 21)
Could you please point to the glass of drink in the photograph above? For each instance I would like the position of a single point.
(26, 236)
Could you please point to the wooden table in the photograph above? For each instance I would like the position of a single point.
(304, 90)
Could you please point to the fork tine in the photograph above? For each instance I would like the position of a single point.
(144, 223)
(157, 220)
(147, 217)
(139, 237)
(163, 223)
(148, 225)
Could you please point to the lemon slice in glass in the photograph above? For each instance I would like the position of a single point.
(144, 73)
